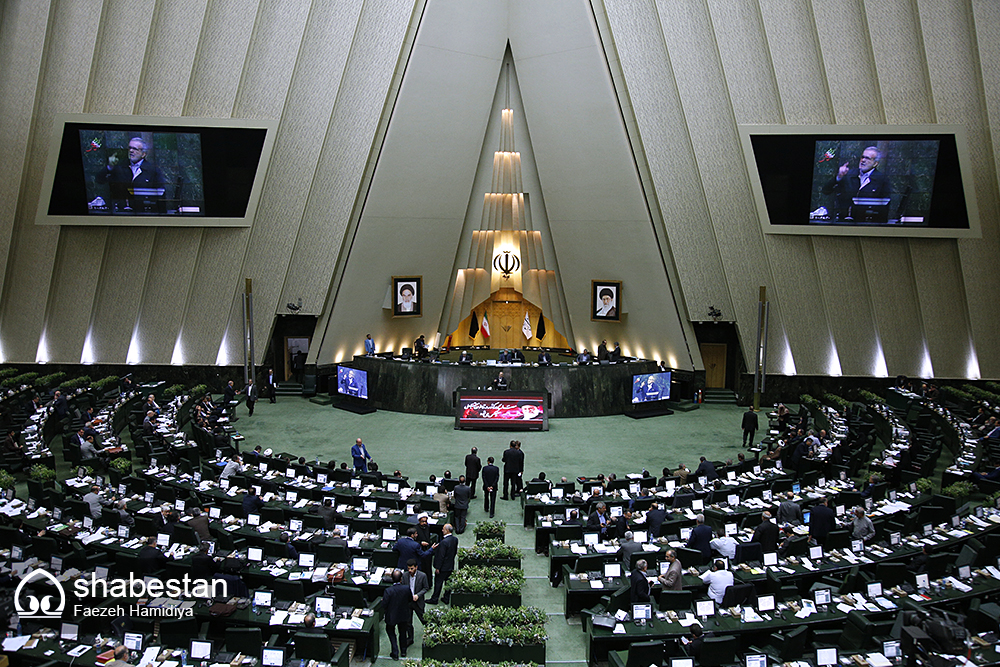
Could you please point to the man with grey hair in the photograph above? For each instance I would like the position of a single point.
(135, 187)
(701, 539)
(629, 546)
(639, 591)
(673, 578)
(865, 182)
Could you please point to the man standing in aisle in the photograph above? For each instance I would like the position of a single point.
(444, 562)
(251, 393)
(360, 455)
(750, 425)
(272, 385)
(473, 465)
(397, 613)
(461, 495)
(513, 468)
(491, 482)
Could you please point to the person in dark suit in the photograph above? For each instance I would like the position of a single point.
(600, 519)
(865, 181)
(125, 180)
(750, 425)
(513, 468)
(504, 356)
(151, 559)
(397, 613)
(252, 395)
(500, 384)
(199, 522)
(329, 514)
(602, 351)
(822, 520)
(416, 581)
(706, 469)
(271, 384)
(789, 511)
(251, 502)
(517, 357)
(203, 566)
(639, 585)
(491, 483)
(229, 394)
(692, 646)
(444, 562)
(654, 519)
(584, 357)
(461, 495)
(544, 358)
(701, 538)
(369, 346)
(473, 465)
(465, 357)
(767, 534)
(408, 547)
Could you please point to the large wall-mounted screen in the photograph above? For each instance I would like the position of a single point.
(352, 382)
(650, 387)
(140, 170)
(882, 181)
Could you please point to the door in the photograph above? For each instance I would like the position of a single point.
(296, 350)
(714, 357)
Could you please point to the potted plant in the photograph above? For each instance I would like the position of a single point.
(173, 391)
(491, 530)
(7, 480)
(106, 385)
(475, 585)
(925, 485)
(42, 474)
(493, 634)
(959, 491)
(491, 552)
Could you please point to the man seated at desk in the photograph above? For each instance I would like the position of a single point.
(544, 358)
(584, 357)
(500, 384)
(504, 357)
(517, 356)
(465, 357)
(420, 348)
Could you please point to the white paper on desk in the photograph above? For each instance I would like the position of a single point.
(578, 549)
(596, 583)
(877, 660)
(846, 608)
(806, 563)
(688, 620)
(358, 580)
(320, 622)
(278, 571)
(804, 613)
(319, 574)
(278, 617)
(965, 588)
(993, 571)
(15, 643)
(619, 629)
(605, 548)
(345, 624)
(751, 616)
(79, 650)
(295, 619)
(149, 655)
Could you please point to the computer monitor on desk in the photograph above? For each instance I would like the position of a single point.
(612, 570)
(642, 612)
(826, 657)
(704, 608)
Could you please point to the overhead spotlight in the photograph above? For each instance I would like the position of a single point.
(293, 306)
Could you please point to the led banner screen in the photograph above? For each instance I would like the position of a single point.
(882, 181)
(502, 410)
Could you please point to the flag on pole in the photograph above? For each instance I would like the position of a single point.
(486, 326)
(526, 326)
(474, 326)
(540, 330)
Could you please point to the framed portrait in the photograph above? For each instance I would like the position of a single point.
(606, 300)
(406, 296)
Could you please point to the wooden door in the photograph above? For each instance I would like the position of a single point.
(714, 357)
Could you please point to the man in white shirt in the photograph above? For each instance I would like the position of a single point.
(724, 545)
(718, 580)
(232, 467)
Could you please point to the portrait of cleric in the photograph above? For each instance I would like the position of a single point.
(406, 296)
(143, 173)
(606, 300)
(884, 182)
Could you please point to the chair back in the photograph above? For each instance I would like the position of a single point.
(313, 647)
(749, 552)
(243, 640)
(718, 651)
(675, 600)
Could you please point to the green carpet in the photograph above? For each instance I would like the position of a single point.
(420, 445)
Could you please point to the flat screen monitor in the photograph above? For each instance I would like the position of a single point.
(201, 649)
(612, 570)
(321, 478)
(616, 511)
(392, 487)
(508, 410)
(390, 534)
(796, 488)
(262, 598)
(88, 522)
(253, 519)
(272, 657)
(355, 483)
(591, 538)
(874, 589)
(815, 553)
(765, 603)
(640, 536)
(704, 608)
(214, 512)
(324, 605)
(179, 505)
(923, 581)
(770, 558)
(823, 596)
(894, 539)
(697, 504)
(641, 612)
(145, 170)
(826, 657)
(255, 554)
(766, 495)
(289, 474)
(891, 648)
(101, 572)
(16, 553)
(162, 540)
(681, 662)
(755, 660)
(805, 517)
(964, 571)
(857, 546)
(291, 496)
(840, 510)
(650, 387)
(862, 181)
(369, 506)
(557, 492)
(69, 632)
(359, 564)
(344, 529)
(123, 532)
(685, 533)
(295, 525)
(133, 641)
(731, 529)
(352, 382)
(733, 500)
(307, 560)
